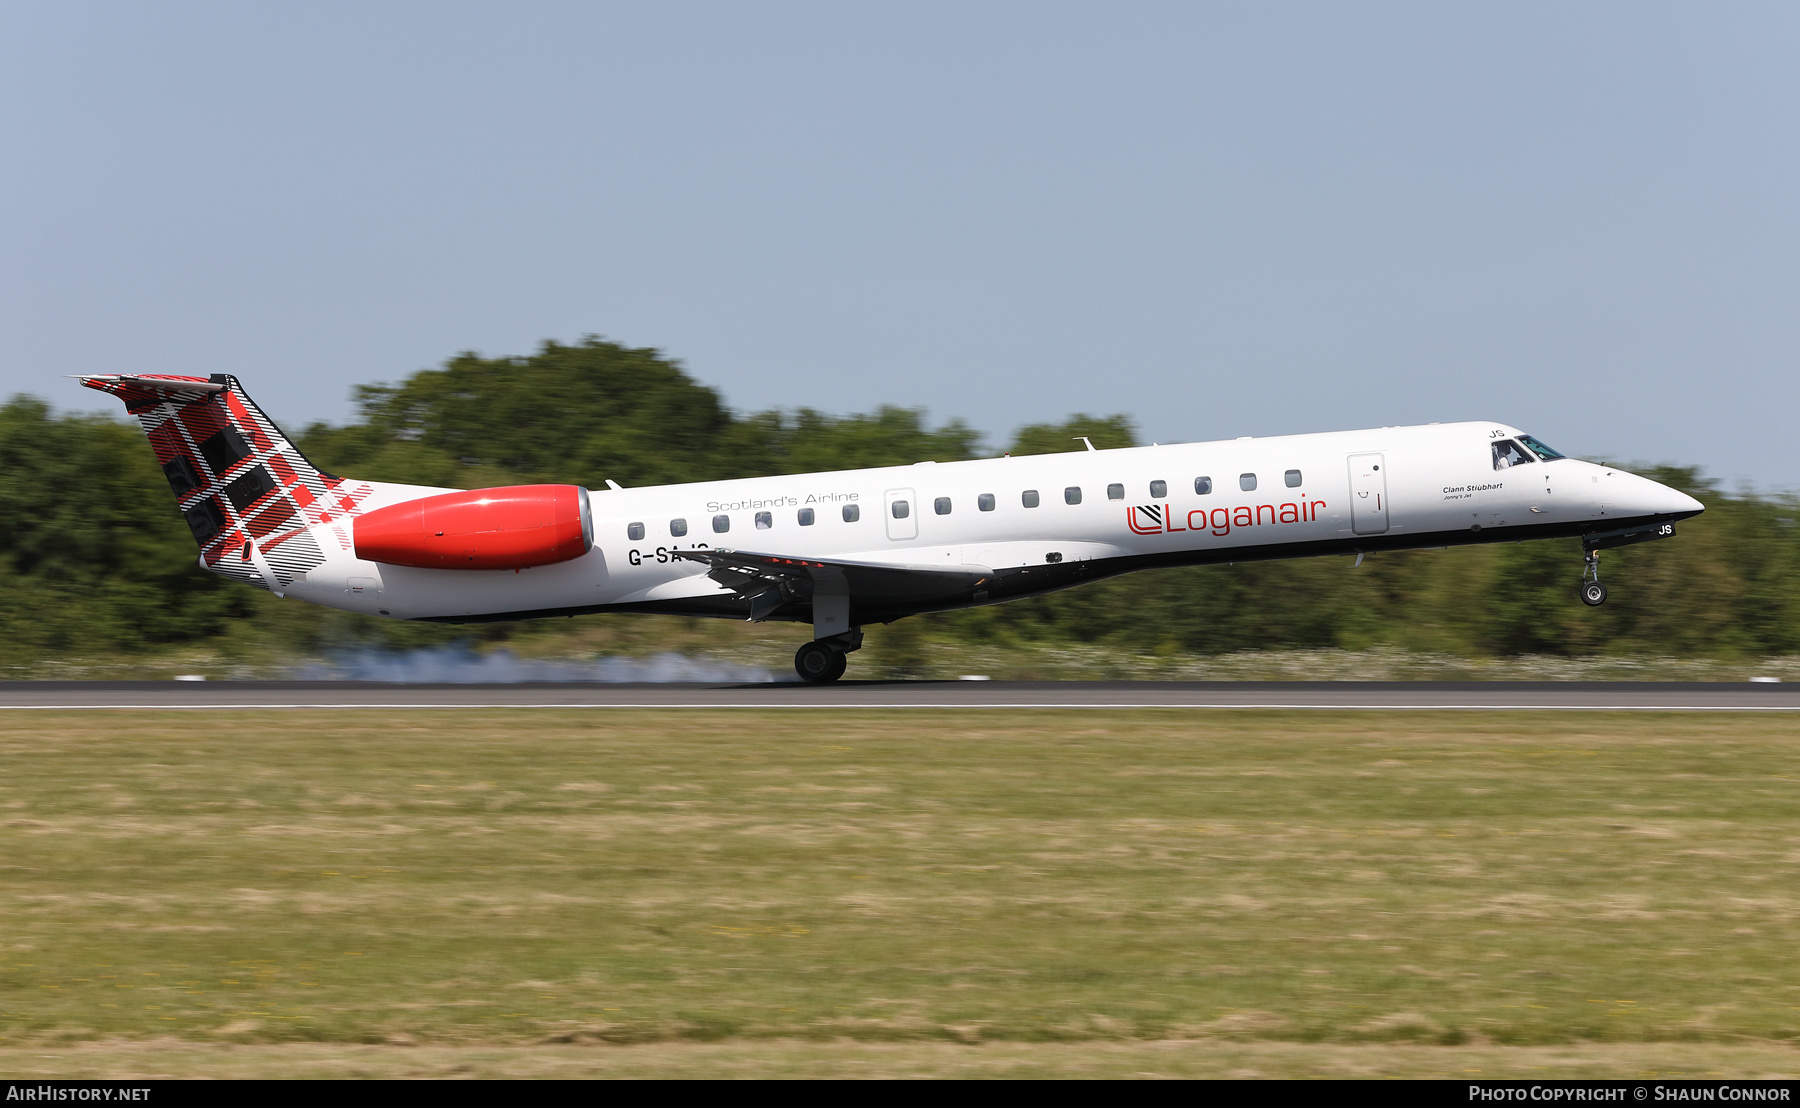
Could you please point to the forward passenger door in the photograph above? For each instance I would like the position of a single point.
(1368, 495)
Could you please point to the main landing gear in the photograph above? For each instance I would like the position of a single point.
(1593, 593)
(823, 661)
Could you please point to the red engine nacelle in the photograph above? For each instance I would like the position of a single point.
(514, 527)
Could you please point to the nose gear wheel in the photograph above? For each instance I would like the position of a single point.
(1592, 592)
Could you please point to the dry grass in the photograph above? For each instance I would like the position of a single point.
(788, 893)
(788, 1058)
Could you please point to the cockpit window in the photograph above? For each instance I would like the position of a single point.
(1539, 448)
(1508, 453)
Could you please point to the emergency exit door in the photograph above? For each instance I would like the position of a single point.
(1368, 495)
(902, 512)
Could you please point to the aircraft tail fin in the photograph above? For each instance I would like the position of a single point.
(249, 496)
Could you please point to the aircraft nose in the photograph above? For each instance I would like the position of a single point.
(1635, 495)
(1660, 499)
(1680, 503)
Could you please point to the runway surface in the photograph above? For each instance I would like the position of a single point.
(886, 695)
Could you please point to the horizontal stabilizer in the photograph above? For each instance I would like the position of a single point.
(152, 381)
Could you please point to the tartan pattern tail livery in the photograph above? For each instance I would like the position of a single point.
(256, 506)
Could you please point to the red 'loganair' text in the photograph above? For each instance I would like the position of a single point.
(1164, 519)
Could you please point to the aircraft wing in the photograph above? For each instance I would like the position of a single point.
(771, 580)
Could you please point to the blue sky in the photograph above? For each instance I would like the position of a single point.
(1222, 219)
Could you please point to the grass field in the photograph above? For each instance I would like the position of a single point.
(911, 892)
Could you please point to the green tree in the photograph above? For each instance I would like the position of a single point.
(93, 554)
(1105, 432)
(582, 414)
(806, 441)
(596, 411)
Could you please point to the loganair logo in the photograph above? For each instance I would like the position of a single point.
(1166, 519)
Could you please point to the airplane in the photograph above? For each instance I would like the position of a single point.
(846, 549)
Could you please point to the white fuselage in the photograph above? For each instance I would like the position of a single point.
(1096, 513)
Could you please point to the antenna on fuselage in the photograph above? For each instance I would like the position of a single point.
(1084, 438)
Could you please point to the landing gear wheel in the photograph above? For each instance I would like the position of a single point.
(818, 664)
(1592, 592)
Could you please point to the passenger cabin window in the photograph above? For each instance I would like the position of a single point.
(1158, 489)
(1292, 477)
(678, 527)
(852, 513)
(1029, 498)
(806, 517)
(985, 502)
(1247, 482)
(1115, 492)
(1072, 495)
(764, 521)
(941, 505)
(634, 532)
(1508, 453)
(721, 524)
(1203, 486)
(901, 509)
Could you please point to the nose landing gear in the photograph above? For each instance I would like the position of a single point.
(1592, 592)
